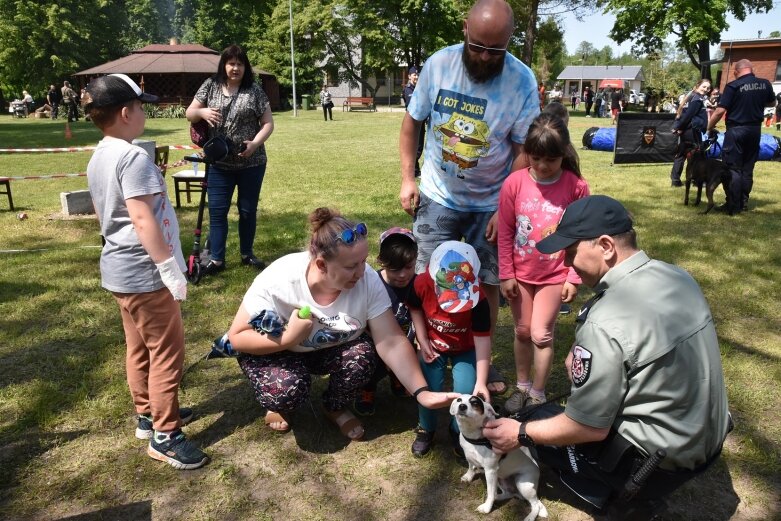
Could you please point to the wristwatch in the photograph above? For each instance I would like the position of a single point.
(524, 439)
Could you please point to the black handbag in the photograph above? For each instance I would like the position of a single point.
(199, 133)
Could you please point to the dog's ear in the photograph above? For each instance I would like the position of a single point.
(490, 413)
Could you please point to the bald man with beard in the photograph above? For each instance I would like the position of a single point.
(480, 100)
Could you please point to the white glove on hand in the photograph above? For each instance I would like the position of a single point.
(173, 278)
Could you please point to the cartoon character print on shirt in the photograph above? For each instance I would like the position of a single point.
(332, 331)
(464, 135)
(454, 283)
(523, 229)
(535, 213)
(550, 230)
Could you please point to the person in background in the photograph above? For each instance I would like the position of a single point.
(689, 125)
(71, 101)
(743, 101)
(28, 103)
(234, 106)
(778, 111)
(534, 284)
(53, 98)
(81, 96)
(142, 265)
(598, 104)
(327, 103)
(588, 96)
(406, 95)
(476, 85)
(541, 90)
(647, 325)
(616, 99)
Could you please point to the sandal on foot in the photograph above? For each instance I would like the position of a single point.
(496, 380)
(276, 417)
(346, 422)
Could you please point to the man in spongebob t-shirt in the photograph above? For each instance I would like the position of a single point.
(481, 101)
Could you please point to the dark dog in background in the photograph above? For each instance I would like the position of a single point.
(702, 170)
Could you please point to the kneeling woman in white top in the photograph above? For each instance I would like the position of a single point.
(349, 323)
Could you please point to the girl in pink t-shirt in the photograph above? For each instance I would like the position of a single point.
(535, 284)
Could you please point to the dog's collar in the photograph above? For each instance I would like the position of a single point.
(479, 441)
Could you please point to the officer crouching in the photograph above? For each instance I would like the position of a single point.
(648, 409)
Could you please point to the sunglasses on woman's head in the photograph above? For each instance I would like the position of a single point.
(351, 235)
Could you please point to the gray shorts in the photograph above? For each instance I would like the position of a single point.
(435, 224)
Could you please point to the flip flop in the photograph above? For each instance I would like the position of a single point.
(346, 422)
(276, 417)
(495, 378)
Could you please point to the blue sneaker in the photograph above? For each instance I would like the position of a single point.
(145, 429)
(175, 450)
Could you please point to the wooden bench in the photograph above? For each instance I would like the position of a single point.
(354, 103)
(5, 182)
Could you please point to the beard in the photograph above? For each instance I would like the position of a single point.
(481, 71)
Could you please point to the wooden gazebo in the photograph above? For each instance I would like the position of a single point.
(174, 72)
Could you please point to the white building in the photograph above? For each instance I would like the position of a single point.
(575, 77)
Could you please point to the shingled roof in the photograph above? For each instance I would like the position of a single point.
(615, 72)
(164, 59)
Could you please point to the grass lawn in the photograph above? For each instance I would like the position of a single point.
(66, 419)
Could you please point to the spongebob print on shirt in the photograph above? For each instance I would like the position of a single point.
(464, 135)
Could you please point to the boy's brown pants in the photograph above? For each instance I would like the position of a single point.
(154, 334)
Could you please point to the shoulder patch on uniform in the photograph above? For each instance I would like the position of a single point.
(581, 365)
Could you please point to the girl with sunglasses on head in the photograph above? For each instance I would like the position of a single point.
(325, 312)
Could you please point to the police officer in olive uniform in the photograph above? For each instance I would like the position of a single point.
(645, 369)
(409, 88)
(743, 100)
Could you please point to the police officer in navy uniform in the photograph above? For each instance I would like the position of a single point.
(645, 369)
(409, 88)
(743, 100)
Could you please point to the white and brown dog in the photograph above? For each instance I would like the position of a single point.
(512, 474)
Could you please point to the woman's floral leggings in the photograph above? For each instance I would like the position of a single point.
(282, 381)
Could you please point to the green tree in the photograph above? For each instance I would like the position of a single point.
(219, 24)
(528, 14)
(549, 51)
(697, 25)
(270, 47)
(148, 21)
(352, 40)
(44, 42)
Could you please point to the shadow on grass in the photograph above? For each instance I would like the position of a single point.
(138, 511)
(19, 448)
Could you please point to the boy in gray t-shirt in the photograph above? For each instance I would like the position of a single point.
(141, 264)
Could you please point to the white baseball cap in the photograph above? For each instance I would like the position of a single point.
(454, 267)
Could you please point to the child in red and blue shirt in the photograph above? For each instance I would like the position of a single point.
(453, 327)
